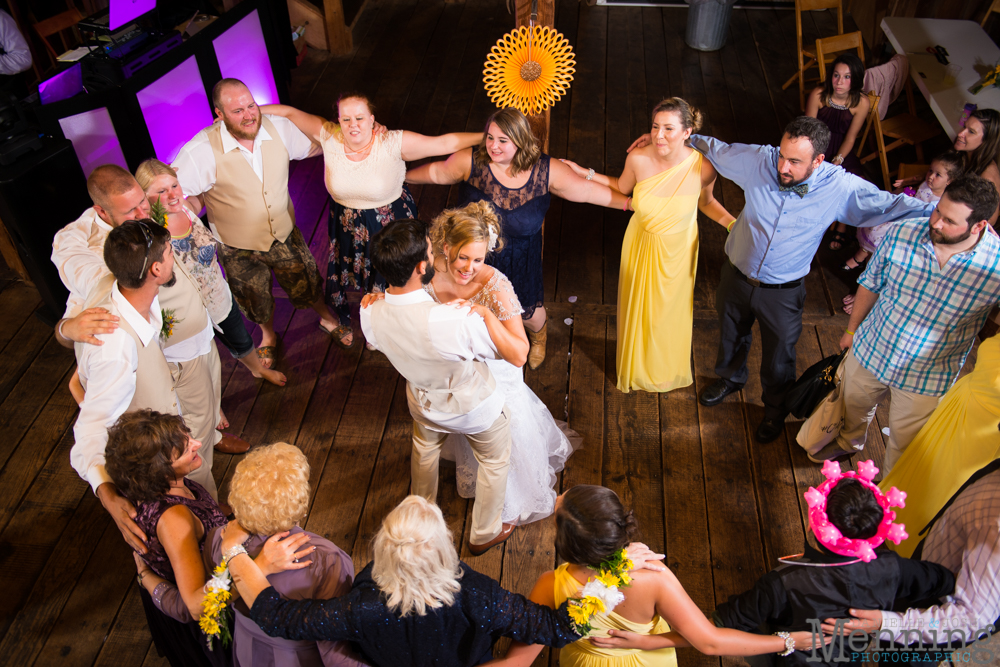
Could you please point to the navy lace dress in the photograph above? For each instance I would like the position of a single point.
(459, 635)
(182, 643)
(522, 211)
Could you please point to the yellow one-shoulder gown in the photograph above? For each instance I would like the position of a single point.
(959, 438)
(584, 654)
(656, 280)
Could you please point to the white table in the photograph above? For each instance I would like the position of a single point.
(968, 46)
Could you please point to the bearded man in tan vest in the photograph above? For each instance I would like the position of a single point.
(441, 351)
(127, 370)
(239, 167)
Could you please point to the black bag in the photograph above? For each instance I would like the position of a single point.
(814, 385)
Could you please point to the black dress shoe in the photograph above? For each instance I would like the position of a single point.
(769, 430)
(715, 392)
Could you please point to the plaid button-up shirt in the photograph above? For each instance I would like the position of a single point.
(923, 325)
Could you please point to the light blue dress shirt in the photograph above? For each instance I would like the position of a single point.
(776, 235)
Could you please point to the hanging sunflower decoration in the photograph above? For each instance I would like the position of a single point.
(529, 69)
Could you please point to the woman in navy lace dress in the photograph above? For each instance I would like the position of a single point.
(510, 171)
(147, 456)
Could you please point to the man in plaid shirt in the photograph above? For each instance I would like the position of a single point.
(925, 295)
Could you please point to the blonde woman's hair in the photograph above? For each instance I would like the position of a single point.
(270, 491)
(458, 227)
(515, 125)
(415, 562)
(150, 169)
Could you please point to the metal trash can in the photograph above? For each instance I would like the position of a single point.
(708, 23)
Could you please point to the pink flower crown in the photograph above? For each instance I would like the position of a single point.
(828, 534)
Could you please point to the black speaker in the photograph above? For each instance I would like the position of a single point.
(40, 194)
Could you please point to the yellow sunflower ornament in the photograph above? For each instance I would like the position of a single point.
(529, 69)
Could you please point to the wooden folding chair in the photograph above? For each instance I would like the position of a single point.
(54, 25)
(911, 170)
(905, 128)
(995, 7)
(806, 58)
(830, 45)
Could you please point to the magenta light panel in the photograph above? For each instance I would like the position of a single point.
(175, 107)
(94, 139)
(242, 54)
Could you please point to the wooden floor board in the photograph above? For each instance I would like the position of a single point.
(721, 506)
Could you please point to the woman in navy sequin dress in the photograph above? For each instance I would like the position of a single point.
(510, 171)
(415, 604)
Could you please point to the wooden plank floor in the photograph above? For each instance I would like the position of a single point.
(719, 505)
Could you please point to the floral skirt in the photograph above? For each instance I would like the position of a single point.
(350, 266)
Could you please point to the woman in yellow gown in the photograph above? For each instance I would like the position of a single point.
(670, 183)
(592, 526)
(959, 438)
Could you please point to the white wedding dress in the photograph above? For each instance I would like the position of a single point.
(540, 445)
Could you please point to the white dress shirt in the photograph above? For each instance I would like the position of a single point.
(966, 540)
(456, 335)
(79, 258)
(17, 57)
(108, 371)
(195, 164)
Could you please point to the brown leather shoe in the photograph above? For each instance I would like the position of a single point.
(230, 444)
(506, 530)
(536, 353)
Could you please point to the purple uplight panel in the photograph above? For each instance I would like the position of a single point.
(242, 54)
(123, 11)
(175, 107)
(94, 139)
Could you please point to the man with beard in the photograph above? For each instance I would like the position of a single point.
(926, 293)
(239, 166)
(792, 197)
(187, 340)
(126, 370)
(441, 350)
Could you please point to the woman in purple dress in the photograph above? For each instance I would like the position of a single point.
(269, 494)
(147, 456)
(843, 106)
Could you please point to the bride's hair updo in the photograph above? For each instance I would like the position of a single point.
(458, 227)
(592, 525)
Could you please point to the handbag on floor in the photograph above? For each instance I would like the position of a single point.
(803, 396)
(827, 418)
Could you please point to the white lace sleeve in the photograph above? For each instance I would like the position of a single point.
(499, 297)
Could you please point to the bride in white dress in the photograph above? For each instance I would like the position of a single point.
(539, 444)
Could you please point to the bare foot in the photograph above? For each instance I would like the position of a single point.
(849, 307)
(849, 299)
(274, 377)
(223, 422)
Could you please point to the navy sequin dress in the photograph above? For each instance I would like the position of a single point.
(460, 635)
(522, 211)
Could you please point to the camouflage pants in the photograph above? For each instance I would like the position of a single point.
(249, 275)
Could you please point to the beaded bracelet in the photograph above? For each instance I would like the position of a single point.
(789, 643)
(233, 552)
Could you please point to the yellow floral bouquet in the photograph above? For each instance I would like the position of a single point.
(215, 612)
(600, 595)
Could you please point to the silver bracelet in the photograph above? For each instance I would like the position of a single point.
(59, 329)
(789, 643)
(590, 174)
(233, 552)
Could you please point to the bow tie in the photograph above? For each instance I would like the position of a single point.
(801, 189)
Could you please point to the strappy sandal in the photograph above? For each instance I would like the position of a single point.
(339, 334)
(857, 264)
(841, 239)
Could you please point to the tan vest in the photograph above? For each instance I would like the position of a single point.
(154, 385)
(246, 213)
(432, 383)
(185, 304)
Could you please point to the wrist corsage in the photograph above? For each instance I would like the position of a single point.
(215, 611)
(600, 595)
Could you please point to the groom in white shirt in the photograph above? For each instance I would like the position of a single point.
(441, 351)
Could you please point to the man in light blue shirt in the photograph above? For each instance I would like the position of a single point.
(792, 197)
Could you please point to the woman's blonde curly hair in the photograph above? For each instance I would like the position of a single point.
(457, 227)
(414, 559)
(269, 492)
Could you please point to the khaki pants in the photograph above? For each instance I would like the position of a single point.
(908, 411)
(199, 391)
(491, 448)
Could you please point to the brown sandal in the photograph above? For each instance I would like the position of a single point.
(339, 334)
(267, 353)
